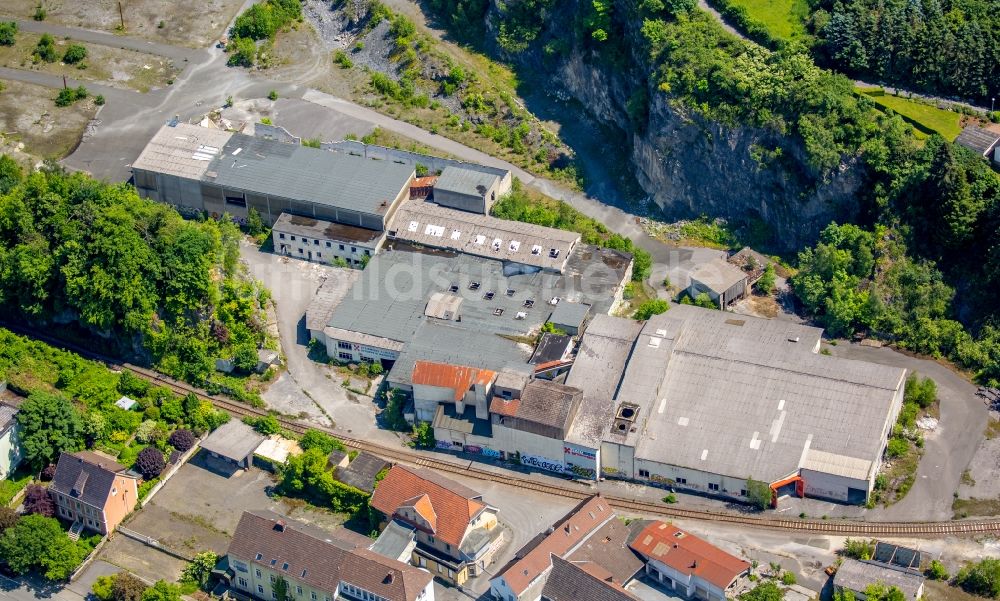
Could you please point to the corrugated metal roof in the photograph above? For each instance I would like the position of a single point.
(310, 174)
(978, 139)
(458, 378)
(233, 440)
(718, 275)
(465, 181)
(568, 313)
(859, 575)
(839, 465)
(183, 150)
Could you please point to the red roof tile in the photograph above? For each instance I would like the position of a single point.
(534, 559)
(453, 505)
(688, 554)
(459, 378)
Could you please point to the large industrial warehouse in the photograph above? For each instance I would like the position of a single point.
(199, 169)
(708, 399)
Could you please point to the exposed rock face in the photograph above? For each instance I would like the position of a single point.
(691, 166)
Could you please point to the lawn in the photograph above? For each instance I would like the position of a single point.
(926, 117)
(784, 19)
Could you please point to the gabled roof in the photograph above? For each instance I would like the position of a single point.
(7, 416)
(718, 275)
(688, 554)
(978, 139)
(572, 581)
(534, 559)
(86, 476)
(323, 559)
(459, 378)
(541, 402)
(858, 575)
(233, 440)
(453, 505)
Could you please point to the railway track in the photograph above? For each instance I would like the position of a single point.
(560, 488)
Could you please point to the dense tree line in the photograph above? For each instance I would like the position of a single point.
(73, 249)
(949, 47)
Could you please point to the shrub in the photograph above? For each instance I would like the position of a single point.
(272, 95)
(150, 463)
(670, 499)
(8, 33)
(38, 502)
(46, 49)
(40, 14)
(340, 57)
(201, 567)
(266, 425)
(68, 96)
(788, 578)
(859, 548)
(99, 100)
(314, 439)
(981, 578)
(243, 53)
(920, 391)
(423, 435)
(937, 571)
(8, 518)
(181, 439)
(897, 447)
(74, 54)
(650, 308)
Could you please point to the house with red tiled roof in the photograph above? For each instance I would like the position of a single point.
(436, 383)
(687, 564)
(590, 536)
(455, 529)
(574, 581)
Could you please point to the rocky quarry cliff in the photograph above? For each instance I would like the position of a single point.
(690, 165)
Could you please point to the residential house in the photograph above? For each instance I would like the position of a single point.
(10, 447)
(687, 564)
(856, 576)
(589, 535)
(456, 530)
(574, 581)
(93, 491)
(269, 551)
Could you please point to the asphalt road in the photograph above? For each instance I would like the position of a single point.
(176, 53)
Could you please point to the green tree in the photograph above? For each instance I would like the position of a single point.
(766, 282)
(74, 54)
(765, 591)
(127, 587)
(8, 33)
(921, 391)
(859, 548)
(650, 308)
(39, 543)
(102, 587)
(266, 425)
(255, 225)
(981, 578)
(936, 570)
(280, 589)
(423, 435)
(201, 567)
(11, 174)
(245, 357)
(314, 439)
(49, 425)
(759, 493)
(162, 591)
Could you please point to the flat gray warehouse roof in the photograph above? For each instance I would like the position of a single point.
(233, 440)
(718, 274)
(857, 575)
(183, 150)
(465, 181)
(309, 174)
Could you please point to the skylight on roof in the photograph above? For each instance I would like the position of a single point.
(480, 239)
(498, 311)
(536, 250)
(489, 295)
(514, 245)
(455, 234)
(474, 286)
(520, 315)
(510, 292)
(434, 230)
(413, 226)
(497, 243)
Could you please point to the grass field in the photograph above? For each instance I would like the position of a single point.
(926, 116)
(783, 18)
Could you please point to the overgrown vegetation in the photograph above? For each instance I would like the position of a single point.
(262, 21)
(520, 204)
(130, 270)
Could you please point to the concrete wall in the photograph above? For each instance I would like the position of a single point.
(357, 352)
(10, 451)
(686, 585)
(536, 451)
(830, 486)
(405, 157)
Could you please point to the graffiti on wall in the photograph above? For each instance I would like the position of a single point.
(542, 463)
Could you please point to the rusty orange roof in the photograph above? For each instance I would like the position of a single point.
(422, 182)
(452, 505)
(534, 559)
(502, 406)
(688, 554)
(459, 378)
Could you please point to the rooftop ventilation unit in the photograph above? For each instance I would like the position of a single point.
(536, 250)
(453, 288)
(554, 300)
(529, 303)
(489, 295)
(498, 311)
(510, 292)
(553, 253)
(520, 315)
(474, 286)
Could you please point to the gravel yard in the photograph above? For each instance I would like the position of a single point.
(32, 127)
(190, 23)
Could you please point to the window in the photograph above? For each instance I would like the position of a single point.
(345, 356)
(242, 582)
(114, 491)
(713, 486)
(451, 573)
(238, 201)
(257, 572)
(344, 345)
(306, 240)
(319, 255)
(329, 244)
(430, 539)
(260, 589)
(293, 238)
(447, 547)
(682, 480)
(743, 492)
(643, 473)
(274, 562)
(272, 578)
(259, 557)
(341, 246)
(440, 569)
(300, 251)
(284, 566)
(315, 242)
(274, 595)
(368, 252)
(354, 249)
(298, 591)
(312, 595)
(282, 236)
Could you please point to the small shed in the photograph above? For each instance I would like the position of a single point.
(397, 541)
(275, 450)
(856, 576)
(569, 316)
(467, 189)
(233, 442)
(265, 359)
(723, 282)
(125, 403)
(361, 472)
(336, 459)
